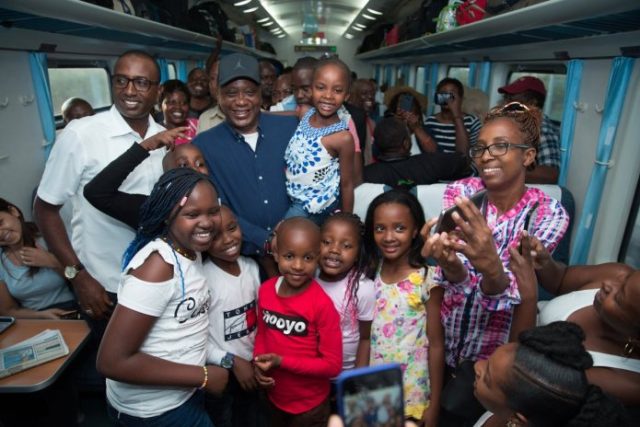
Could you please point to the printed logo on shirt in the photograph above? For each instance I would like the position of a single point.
(240, 321)
(189, 308)
(288, 325)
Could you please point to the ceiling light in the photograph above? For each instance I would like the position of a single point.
(357, 29)
(348, 36)
(267, 24)
(242, 2)
(253, 9)
(282, 35)
(275, 30)
(259, 21)
(360, 26)
(375, 12)
(364, 15)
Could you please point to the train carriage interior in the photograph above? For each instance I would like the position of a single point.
(584, 51)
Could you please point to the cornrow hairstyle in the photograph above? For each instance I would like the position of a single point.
(402, 197)
(548, 384)
(334, 60)
(350, 308)
(528, 120)
(29, 230)
(171, 86)
(162, 206)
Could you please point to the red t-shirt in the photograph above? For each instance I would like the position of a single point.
(304, 330)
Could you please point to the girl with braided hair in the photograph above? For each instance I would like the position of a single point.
(473, 260)
(153, 351)
(540, 381)
(341, 275)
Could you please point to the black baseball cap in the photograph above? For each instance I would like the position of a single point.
(236, 66)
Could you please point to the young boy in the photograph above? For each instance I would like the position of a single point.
(233, 284)
(298, 347)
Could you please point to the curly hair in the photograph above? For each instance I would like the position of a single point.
(548, 384)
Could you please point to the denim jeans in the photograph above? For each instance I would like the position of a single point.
(191, 413)
(296, 209)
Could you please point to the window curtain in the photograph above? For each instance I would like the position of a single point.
(433, 82)
(377, 74)
(201, 64)
(473, 70)
(485, 76)
(182, 70)
(571, 97)
(616, 93)
(41, 87)
(164, 69)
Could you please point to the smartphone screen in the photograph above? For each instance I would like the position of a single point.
(446, 222)
(406, 102)
(371, 396)
(5, 322)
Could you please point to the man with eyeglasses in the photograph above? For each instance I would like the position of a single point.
(92, 258)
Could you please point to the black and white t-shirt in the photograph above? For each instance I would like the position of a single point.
(445, 133)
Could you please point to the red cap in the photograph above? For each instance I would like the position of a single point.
(524, 83)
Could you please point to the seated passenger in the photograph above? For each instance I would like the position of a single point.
(451, 130)
(395, 162)
(174, 100)
(103, 191)
(540, 381)
(409, 105)
(31, 282)
(75, 108)
(530, 91)
(473, 261)
(603, 300)
(198, 83)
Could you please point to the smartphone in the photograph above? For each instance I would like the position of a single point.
(5, 322)
(374, 392)
(406, 102)
(446, 222)
(442, 98)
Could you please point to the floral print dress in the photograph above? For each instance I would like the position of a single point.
(399, 334)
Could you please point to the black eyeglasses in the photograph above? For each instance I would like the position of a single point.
(496, 150)
(140, 83)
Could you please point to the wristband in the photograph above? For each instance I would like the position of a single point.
(206, 378)
(267, 243)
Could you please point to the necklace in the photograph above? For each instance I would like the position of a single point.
(185, 253)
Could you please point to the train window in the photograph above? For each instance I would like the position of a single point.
(555, 83)
(91, 84)
(630, 247)
(460, 73)
(172, 71)
(421, 80)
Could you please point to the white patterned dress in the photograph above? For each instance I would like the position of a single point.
(399, 334)
(313, 174)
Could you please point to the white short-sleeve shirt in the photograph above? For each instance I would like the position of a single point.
(82, 150)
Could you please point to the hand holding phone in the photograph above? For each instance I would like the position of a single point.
(406, 102)
(371, 392)
(445, 221)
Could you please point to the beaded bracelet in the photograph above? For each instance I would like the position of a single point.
(206, 378)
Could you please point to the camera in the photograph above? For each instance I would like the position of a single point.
(442, 98)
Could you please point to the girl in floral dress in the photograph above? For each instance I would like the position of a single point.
(406, 326)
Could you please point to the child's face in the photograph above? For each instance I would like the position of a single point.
(339, 247)
(186, 156)
(329, 90)
(227, 242)
(297, 256)
(198, 220)
(301, 81)
(393, 230)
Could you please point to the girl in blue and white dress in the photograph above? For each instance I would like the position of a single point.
(320, 154)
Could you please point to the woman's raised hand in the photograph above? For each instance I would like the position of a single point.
(522, 265)
(165, 138)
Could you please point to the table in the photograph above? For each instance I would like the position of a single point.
(75, 333)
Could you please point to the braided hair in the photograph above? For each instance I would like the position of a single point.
(528, 120)
(162, 206)
(548, 384)
(350, 307)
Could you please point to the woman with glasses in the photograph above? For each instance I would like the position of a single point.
(473, 260)
(174, 101)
